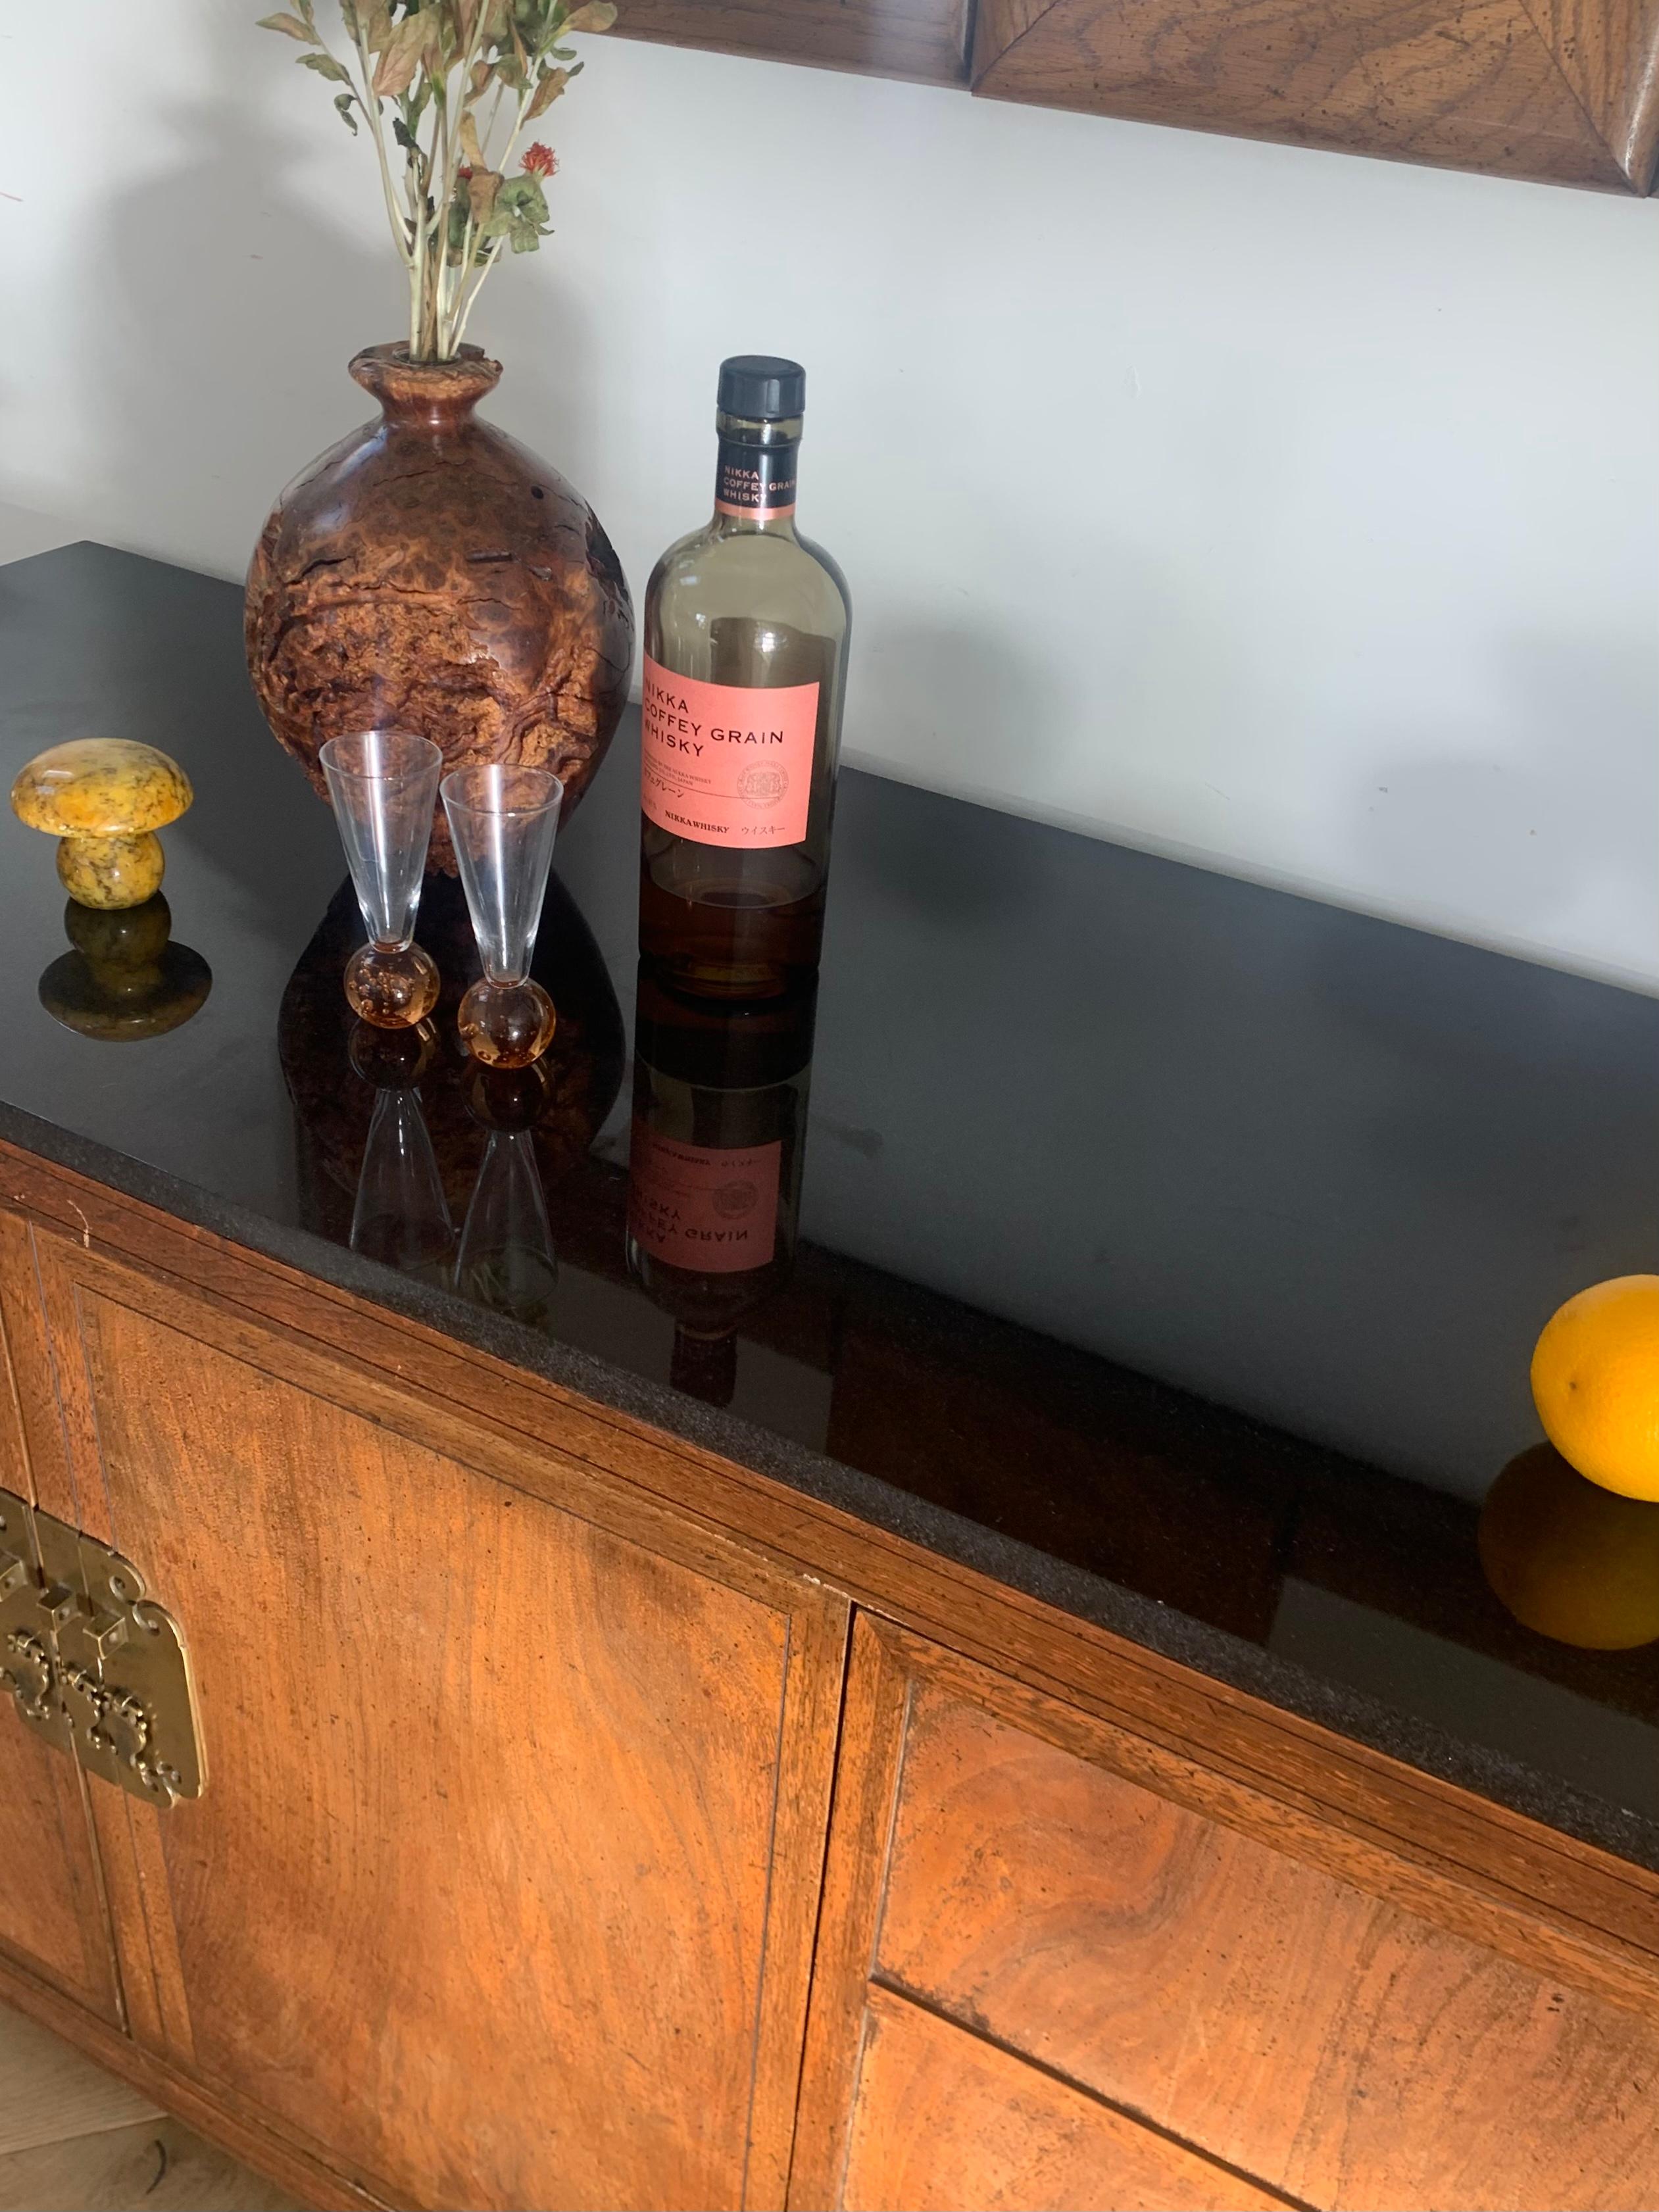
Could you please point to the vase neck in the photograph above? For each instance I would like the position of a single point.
(426, 395)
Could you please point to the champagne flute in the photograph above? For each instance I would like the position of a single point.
(502, 821)
(382, 783)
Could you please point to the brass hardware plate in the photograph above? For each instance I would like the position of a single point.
(92, 1662)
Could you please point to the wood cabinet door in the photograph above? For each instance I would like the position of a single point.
(502, 1889)
(1060, 1965)
(52, 1921)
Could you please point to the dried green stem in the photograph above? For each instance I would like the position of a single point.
(520, 55)
(369, 102)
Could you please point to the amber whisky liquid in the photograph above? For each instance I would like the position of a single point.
(746, 656)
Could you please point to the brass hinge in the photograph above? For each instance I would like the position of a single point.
(92, 1663)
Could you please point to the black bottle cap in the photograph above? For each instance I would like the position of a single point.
(762, 388)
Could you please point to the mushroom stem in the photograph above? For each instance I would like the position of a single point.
(110, 872)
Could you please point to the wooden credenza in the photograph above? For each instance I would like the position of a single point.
(593, 1822)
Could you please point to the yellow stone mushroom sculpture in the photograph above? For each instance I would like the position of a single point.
(104, 798)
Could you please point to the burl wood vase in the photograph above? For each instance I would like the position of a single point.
(430, 573)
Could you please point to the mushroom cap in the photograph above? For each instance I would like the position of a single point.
(101, 788)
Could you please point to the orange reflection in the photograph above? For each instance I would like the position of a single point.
(1575, 1562)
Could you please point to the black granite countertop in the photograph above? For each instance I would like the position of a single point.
(1171, 1248)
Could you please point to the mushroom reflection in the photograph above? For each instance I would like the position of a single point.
(124, 978)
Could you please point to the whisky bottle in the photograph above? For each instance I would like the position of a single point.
(714, 1165)
(745, 660)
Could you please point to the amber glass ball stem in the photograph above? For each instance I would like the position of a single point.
(506, 1024)
(392, 986)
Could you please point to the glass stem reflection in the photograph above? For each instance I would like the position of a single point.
(507, 1260)
(402, 1217)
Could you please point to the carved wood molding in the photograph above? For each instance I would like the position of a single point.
(1561, 91)
(1567, 93)
(924, 40)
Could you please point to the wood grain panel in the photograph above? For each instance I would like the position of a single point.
(1301, 2028)
(52, 1906)
(50, 1910)
(503, 1890)
(1467, 83)
(943, 2119)
(1552, 1901)
(1609, 53)
(920, 38)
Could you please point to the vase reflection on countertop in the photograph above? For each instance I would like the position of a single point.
(125, 977)
(336, 1111)
(715, 1159)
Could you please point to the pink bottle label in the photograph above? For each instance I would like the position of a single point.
(712, 1213)
(726, 764)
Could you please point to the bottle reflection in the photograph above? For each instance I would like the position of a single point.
(124, 978)
(401, 1217)
(507, 1260)
(715, 1169)
(1568, 1560)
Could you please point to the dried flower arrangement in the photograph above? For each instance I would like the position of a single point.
(458, 82)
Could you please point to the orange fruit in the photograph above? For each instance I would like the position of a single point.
(1595, 1383)
(1570, 1560)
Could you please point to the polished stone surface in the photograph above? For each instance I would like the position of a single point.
(103, 799)
(1171, 1247)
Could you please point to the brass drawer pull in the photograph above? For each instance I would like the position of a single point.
(91, 1662)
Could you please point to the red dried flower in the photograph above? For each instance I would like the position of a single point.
(540, 161)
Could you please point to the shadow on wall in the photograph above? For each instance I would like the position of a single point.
(960, 710)
(237, 311)
(1073, 729)
(1506, 833)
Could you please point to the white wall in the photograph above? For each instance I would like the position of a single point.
(1292, 510)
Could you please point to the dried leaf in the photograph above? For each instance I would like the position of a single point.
(290, 25)
(342, 107)
(326, 65)
(395, 70)
(482, 188)
(594, 15)
(471, 152)
(552, 84)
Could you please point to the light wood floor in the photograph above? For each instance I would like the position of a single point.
(74, 2139)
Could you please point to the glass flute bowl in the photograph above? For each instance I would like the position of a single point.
(383, 784)
(502, 822)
